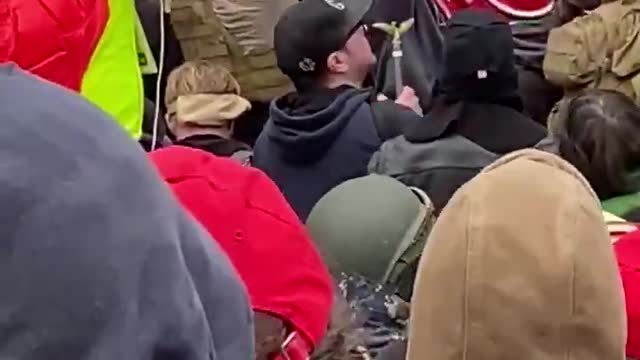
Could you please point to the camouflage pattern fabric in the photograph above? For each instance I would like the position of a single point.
(235, 34)
(378, 310)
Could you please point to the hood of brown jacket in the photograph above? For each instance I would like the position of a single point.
(519, 266)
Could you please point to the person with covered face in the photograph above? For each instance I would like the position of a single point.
(99, 261)
(519, 265)
(479, 97)
(326, 131)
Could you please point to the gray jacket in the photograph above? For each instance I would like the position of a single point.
(437, 167)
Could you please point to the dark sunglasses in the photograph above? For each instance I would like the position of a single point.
(359, 26)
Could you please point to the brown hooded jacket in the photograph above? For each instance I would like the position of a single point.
(518, 269)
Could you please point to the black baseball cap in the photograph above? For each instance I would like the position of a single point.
(310, 30)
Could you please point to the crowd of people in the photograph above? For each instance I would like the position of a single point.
(494, 218)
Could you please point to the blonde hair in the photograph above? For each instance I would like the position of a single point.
(199, 77)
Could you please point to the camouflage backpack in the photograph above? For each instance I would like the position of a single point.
(599, 50)
(236, 34)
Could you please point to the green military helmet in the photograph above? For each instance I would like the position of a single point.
(373, 226)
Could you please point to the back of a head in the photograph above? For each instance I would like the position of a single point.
(597, 132)
(203, 95)
(199, 77)
(516, 268)
(473, 72)
(98, 260)
(367, 226)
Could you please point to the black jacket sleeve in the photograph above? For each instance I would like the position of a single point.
(391, 119)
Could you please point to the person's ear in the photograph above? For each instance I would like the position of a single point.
(336, 62)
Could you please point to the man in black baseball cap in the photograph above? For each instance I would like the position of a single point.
(324, 38)
(326, 132)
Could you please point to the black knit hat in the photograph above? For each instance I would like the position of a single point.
(309, 31)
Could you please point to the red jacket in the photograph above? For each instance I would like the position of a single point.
(248, 215)
(54, 38)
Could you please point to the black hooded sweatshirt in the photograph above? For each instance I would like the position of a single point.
(479, 88)
(315, 141)
(98, 261)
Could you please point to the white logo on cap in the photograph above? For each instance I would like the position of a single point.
(335, 4)
(307, 65)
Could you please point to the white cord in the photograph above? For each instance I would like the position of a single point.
(156, 114)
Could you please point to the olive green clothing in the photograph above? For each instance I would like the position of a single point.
(599, 50)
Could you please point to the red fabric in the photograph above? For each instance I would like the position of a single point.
(7, 22)
(628, 254)
(250, 218)
(53, 39)
(499, 6)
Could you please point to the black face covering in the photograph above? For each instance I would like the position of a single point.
(486, 73)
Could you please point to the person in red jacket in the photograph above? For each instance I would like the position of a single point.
(290, 288)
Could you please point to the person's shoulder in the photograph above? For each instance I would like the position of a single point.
(398, 144)
(448, 152)
(613, 10)
(181, 165)
(263, 196)
(178, 163)
(507, 116)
